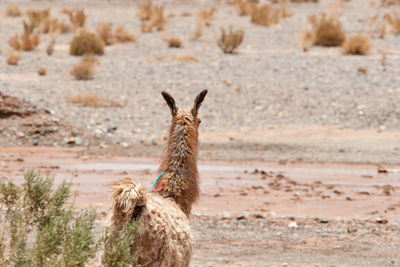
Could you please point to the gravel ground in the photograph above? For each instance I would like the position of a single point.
(270, 83)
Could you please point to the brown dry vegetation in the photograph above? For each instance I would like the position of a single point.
(123, 36)
(390, 2)
(267, 15)
(362, 70)
(13, 11)
(36, 18)
(206, 16)
(86, 43)
(294, 1)
(91, 99)
(120, 35)
(13, 58)
(174, 42)
(42, 71)
(325, 31)
(394, 21)
(25, 42)
(155, 16)
(229, 41)
(77, 17)
(86, 68)
(357, 45)
(198, 32)
(104, 30)
(182, 59)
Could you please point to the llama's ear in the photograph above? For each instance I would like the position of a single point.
(170, 101)
(197, 102)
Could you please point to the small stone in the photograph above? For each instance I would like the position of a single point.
(381, 220)
(293, 225)
(323, 220)
(112, 129)
(70, 141)
(241, 217)
(226, 215)
(20, 134)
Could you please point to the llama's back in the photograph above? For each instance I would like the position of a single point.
(164, 236)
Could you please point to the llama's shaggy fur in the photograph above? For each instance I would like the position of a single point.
(164, 236)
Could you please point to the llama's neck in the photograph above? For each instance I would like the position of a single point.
(180, 166)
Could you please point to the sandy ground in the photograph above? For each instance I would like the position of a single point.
(252, 213)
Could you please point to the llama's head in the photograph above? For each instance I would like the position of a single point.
(185, 117)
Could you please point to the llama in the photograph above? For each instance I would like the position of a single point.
(164, 235)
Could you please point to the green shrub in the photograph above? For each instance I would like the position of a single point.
(39, 227)
(86, 43)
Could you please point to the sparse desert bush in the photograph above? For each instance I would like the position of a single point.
(25, 42)
(325, 31)
(104, 30)
(40, 228)
(13, 11)
(13, 58)
(182, 59)
(92, 99)
(86, 43)
(123, 36)
(53, 25)
(243, 7)
(228, 42)
(174, 42)
(42, 71)
(362, 70)
(86, 68)
(120, 35)
(356, 45)
(37, 17)
(145, 10)
(156, 19)
(77, 17)
(394, 21)
(267, 15)
(390, 2)
(206, 16)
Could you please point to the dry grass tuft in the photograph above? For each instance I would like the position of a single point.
(294, 1)
(390, 2)
(76, 17)
(36, 18)
(228, 42)
(182, 59)
(155, 16)
(85, 69)
(394, 21)
(13, 11)
(86, 43)
(362, 70)
(243, 7)
(104, 30)
(206, 16)
(174, 42)
(25, 42)
(325, 31)
(267, 15)
(13, 58)
(91, 99)
(42, 71)
(123, 36)
(356, 45)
